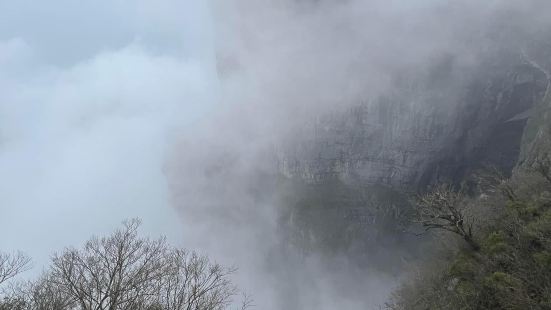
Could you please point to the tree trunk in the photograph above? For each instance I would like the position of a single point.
(473, 244)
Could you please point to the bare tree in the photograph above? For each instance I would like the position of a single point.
(246, 302)
(10, 303)
(110, 273)
(124, 271)
(13, 264)
(37, 295)
(492, 180)
(444, 209)
(191, 281)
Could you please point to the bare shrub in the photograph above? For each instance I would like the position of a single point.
(445, 209)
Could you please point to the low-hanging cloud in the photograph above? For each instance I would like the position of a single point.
(90, 100)
(282, 65)
(160, 110)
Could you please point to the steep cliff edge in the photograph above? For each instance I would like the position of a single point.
(510, 266)
(448, 125)
(358, 168)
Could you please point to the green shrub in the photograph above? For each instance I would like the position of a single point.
(495, 243)
(512, 270)
(464, 267)
(543, 259)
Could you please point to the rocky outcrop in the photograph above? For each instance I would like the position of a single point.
(436, 126)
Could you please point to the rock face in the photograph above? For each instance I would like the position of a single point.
(437, 125)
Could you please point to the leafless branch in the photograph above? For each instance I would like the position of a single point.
(443, 209)
(125, 271)
(13, 264)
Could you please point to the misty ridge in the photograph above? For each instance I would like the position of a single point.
(261, 154)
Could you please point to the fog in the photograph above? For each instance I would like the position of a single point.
(91, 96)
(175, 111)
(281, 65)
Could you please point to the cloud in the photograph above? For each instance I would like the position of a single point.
(282, 65)
(84, 129)
(101, 100)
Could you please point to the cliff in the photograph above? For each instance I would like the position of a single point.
(436, 126)
(440, 123)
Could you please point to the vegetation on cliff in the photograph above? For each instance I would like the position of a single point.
(504, 261)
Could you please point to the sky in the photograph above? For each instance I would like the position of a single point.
(91, 95)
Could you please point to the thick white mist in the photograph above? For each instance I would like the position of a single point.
(114, 109)
(282, 64)
(91, 97)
